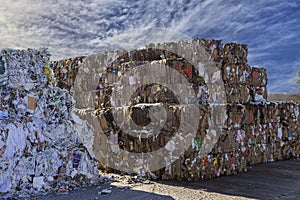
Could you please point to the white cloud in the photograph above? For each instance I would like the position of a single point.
(72, 28)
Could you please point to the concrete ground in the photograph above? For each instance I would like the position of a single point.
(277, 180)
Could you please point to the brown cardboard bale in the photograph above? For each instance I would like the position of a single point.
(235, 52)
(259, 77)
(224, 141)
(249, 114)
(65, 71)
(251, 133)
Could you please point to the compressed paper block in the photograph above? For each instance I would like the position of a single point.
(43, 133)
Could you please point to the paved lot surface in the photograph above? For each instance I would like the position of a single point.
(278, 180)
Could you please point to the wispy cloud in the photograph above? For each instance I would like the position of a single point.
(70, 28)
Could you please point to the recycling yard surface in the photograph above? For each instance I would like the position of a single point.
(277, 180)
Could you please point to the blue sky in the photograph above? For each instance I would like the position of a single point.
(71, 28)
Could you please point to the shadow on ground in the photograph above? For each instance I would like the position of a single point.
(277, 180)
